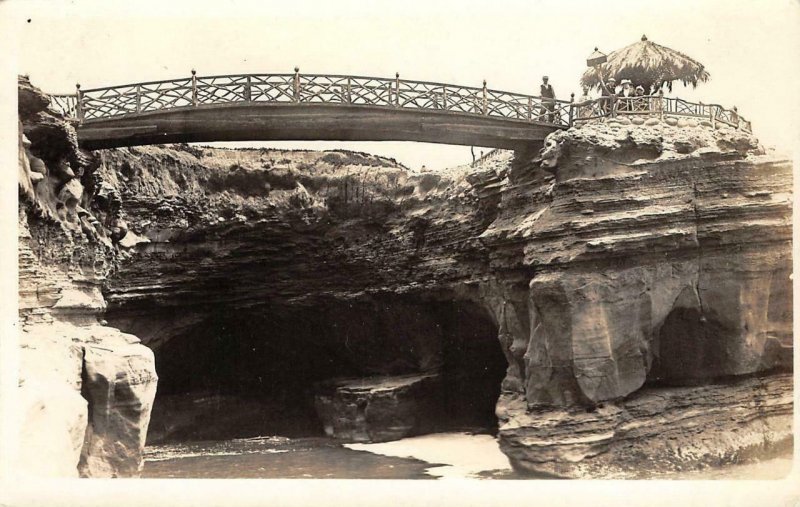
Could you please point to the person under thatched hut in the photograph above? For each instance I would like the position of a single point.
(625, 95)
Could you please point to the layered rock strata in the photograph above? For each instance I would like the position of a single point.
(85, 389)
(298, 267)
(641, 254)
(655, 431)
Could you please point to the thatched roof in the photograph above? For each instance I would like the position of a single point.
(648, 64)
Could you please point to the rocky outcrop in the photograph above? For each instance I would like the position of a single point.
(656, 430)
(379, 409)
(641, 254)
(298, 267)
(86, 389)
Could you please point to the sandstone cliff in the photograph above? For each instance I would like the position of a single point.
(298, 267)
(653, 255)
(85, 389)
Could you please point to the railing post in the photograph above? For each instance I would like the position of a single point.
(194, 88)
(571, 107)
(396, 90)
(349, 97)
(736, 115)
(444, 97)
(248, 94)
(711, 110)
(530, 108)
(296, 86)
(661, 103)
(79, 103)
(138, 98)
(485, 100)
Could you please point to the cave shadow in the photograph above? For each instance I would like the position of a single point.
(255, 372)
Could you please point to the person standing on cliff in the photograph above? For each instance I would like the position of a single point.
(548, 98)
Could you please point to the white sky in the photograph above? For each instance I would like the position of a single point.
(750, 48)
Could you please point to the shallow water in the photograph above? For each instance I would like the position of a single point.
(273, 458)
(435, 456)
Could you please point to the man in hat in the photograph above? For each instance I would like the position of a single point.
(609, 95)
(548, 99)
(626, 94)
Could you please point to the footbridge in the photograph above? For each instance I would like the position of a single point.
(262, 107)
(268, 107)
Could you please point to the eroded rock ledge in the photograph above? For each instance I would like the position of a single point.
(656, 430)
(656, 254)
(86, 389)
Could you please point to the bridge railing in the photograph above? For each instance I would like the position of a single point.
(125, 100)
(117, 101)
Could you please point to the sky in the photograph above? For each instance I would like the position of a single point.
(750, 48)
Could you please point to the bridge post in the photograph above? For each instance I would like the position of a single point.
(530, 108)
(571, 108)
(194, 87)
(396, 90)
(296, 84)
(712, 115)
(79, 103)
(661, 103)
(444, 97)
(138, 98)
(349, 89)
(247, 90)
(485, 100)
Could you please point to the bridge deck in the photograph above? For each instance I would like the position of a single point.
(268, 122)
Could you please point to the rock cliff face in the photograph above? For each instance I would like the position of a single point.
(86, 389)
(618, 302)
(653, 255)
(298, 268)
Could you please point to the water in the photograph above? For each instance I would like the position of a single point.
(435, 456)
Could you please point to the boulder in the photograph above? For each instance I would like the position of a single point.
(54, 421)
(120, 385)
(53, 414)
(378, 409)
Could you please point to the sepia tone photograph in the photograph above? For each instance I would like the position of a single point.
(391, 243)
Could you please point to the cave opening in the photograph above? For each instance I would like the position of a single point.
(246, 372)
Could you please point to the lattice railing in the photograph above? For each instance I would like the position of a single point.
(658, 105)
(65, 104)
(116, 101)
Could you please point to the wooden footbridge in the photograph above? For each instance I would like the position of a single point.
(263, 107)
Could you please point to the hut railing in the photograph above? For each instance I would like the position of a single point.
(658, 105)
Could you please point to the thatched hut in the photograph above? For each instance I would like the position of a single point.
(647, 64)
